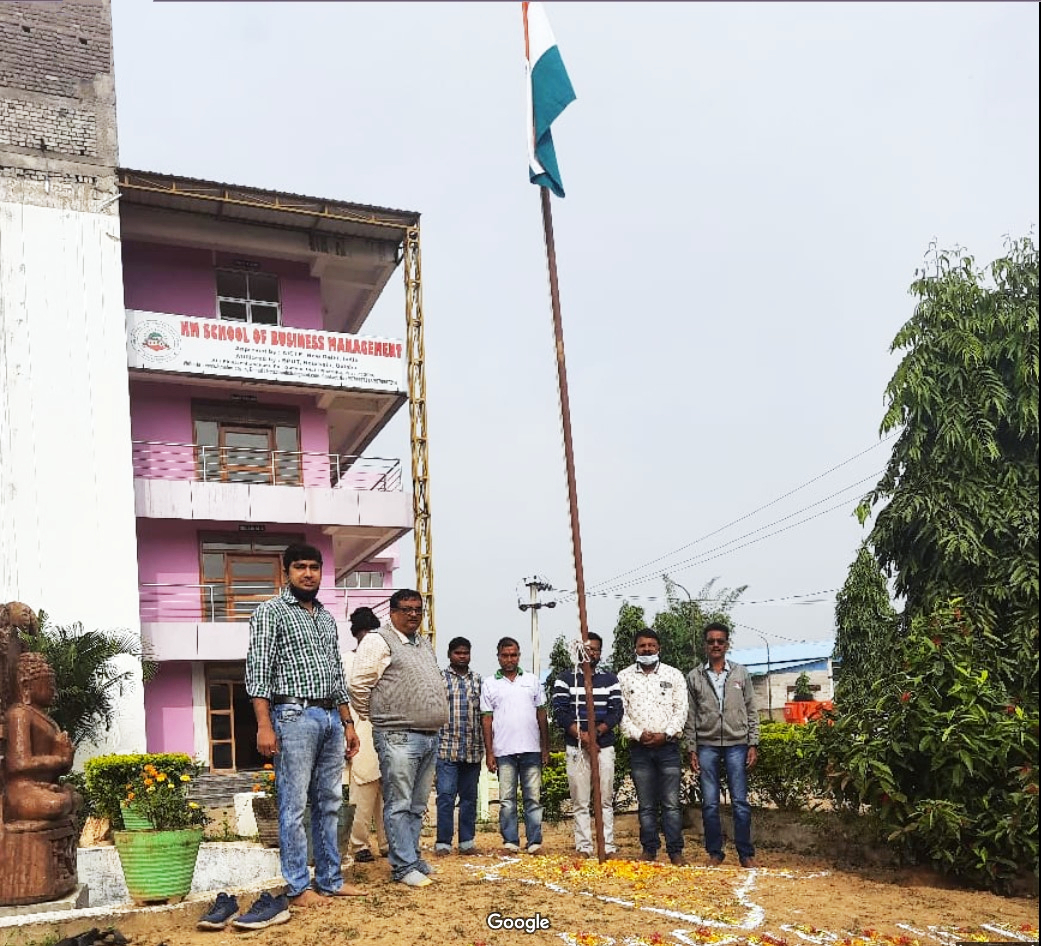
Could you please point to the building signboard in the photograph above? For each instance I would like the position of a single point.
(174, 343)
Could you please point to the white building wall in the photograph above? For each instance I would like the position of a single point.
(67, 528)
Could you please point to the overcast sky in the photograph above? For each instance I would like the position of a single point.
(751, 188)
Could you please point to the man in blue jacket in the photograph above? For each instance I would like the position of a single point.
(569, 713)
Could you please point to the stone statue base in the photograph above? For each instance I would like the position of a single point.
(37, 860)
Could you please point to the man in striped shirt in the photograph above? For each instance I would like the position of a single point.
(459, 752)
(569, 713)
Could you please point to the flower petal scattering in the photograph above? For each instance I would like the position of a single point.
(710, 906)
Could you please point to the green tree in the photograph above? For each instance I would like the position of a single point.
(88, 675)
(867, 626)
(942, 752)
(681, 624)
(938, 736)
(630, 620)
(960, 513)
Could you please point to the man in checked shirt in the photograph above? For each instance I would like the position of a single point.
(295, 678)
(654, 696)
(459, 752)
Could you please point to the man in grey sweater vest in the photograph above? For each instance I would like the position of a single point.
(396, 684)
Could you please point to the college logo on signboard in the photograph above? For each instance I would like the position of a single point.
(155, 341)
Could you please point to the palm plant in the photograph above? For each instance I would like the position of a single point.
(87, 676)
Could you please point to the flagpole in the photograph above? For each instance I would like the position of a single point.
(576, 536)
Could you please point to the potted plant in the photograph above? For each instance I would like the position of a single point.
(265, 806)
(158, 864)
(265, 811)
(803, 690)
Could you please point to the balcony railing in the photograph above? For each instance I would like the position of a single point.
(219, 602)
(201, 463)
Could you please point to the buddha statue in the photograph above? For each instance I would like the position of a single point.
(37, 752)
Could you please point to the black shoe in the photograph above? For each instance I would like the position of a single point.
(267, 911)
(364, 856)
(216, 918)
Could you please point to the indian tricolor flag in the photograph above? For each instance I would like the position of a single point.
(549, 93)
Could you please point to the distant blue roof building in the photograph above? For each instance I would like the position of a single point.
(807, 655)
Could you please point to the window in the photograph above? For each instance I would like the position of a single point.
(248, 297)
(239, 573)
(363, 580)
(247, 444)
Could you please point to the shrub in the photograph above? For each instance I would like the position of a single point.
(944, 751)
(162, 798)
(106, 778)
(555, 790)
(787, 773)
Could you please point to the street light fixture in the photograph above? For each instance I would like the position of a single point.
(535, 584)
(769, 687)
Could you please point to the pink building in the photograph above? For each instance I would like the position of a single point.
(253, 402)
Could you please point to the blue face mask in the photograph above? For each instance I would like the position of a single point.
(646, 660)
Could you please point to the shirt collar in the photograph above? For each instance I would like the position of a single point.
(286, 594)
(726, 667)
(499, 675)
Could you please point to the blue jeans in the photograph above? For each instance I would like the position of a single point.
(656, 775)
(528, 766)
(407, 769)
(309, 768)
(710, 760)
(456, 778)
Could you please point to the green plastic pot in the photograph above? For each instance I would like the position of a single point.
(158, 865)
(133, 820)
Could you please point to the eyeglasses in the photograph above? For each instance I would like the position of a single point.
(414, 612)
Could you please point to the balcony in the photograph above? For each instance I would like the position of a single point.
(358, 501)
(211, 621)
(203, 463)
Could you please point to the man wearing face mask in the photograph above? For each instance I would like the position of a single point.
(654, 696)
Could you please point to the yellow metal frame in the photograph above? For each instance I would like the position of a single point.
(417, 410)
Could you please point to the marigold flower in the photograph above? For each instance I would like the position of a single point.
(161, 777)
(186, 778)
(148, 781)
(269, 766)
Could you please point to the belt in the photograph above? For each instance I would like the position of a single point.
(326, 703)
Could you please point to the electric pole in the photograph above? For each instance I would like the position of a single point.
(535, 584)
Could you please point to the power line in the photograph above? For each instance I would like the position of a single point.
(748, 515)
(778, 600)
(710, 554)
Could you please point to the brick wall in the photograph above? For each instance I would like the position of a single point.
(57, 94)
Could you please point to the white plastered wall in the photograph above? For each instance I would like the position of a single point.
(67, 529)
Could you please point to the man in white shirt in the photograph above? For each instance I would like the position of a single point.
(654, 696)
(516, 744)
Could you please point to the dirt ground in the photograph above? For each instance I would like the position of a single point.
(788, 899)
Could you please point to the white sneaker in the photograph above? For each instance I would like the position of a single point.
(534, 848)
(511, 847)
(415, 879)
